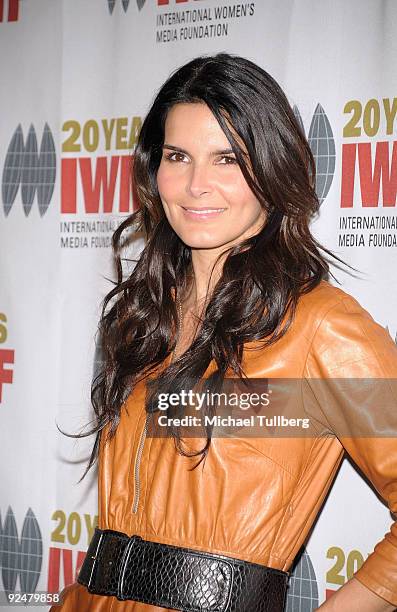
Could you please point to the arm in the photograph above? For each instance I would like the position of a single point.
(351, 377)
(355, 597)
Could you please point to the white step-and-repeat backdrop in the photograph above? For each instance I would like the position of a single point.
(77, 77)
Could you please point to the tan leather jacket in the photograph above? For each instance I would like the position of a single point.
(257, 498)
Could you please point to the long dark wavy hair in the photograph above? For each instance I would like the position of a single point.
(262, 277)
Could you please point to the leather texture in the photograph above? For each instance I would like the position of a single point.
(179, 578)
(256, 499)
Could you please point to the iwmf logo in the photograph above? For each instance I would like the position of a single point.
(6, 357)
(29, 168)
(12, 10)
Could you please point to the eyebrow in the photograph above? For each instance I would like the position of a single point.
(217, 152)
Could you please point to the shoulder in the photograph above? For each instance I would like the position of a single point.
(323, 298)
(324, 302)
(345, 333)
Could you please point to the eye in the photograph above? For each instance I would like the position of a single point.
(229, 160)
(170, 156)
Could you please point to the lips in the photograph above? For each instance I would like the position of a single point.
(202, 213)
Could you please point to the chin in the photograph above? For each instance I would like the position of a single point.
(202, 243)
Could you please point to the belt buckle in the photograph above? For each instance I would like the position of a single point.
(123, 565)
(94, 558)
(225, 570)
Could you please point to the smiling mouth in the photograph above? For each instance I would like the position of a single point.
(203, 211)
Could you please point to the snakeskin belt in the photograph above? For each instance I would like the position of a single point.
(179, 578)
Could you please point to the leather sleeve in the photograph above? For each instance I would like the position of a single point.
(351, 392)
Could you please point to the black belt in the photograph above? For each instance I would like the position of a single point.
(179, 578)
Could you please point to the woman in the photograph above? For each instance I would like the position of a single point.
(230, 284)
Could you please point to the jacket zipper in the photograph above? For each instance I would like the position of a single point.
(137, 484)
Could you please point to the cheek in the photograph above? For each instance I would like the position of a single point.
(238, 193)
(164, 182)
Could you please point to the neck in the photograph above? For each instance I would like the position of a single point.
(206, 272)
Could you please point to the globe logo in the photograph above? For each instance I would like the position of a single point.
(125, 4)
(302, 593)
(32, 170)
(22, 557)
(322, 144)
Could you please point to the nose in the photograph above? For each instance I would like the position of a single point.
(199, 180)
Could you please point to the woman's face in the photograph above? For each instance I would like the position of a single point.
(205, 196)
